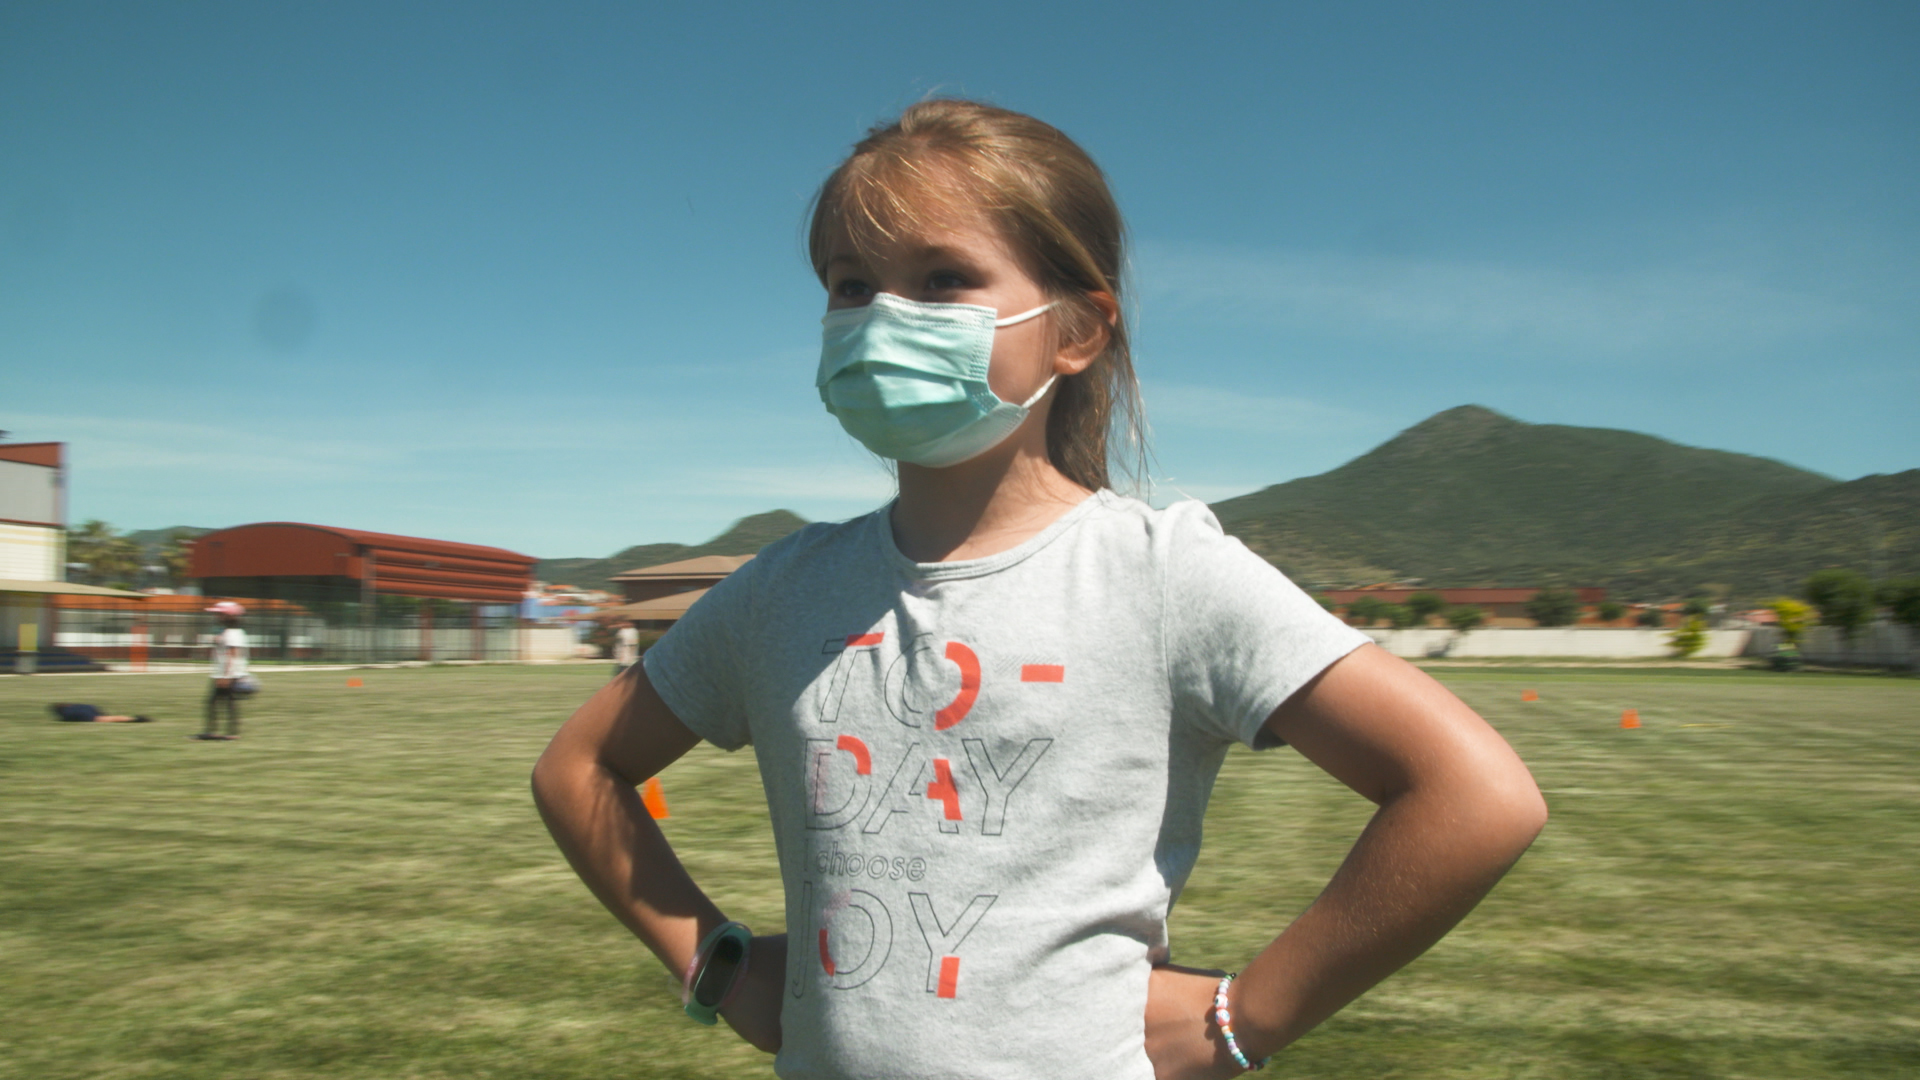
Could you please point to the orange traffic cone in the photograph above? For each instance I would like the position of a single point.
(1529, 695)
(1630, 718)
(354, 683)
(655, 800)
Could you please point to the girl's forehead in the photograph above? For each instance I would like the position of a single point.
(897, 237)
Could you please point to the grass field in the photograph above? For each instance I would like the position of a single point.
(360, 888)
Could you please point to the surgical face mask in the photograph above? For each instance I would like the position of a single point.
(909, 380)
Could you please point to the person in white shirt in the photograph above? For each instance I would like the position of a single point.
(229, 667)
(626, 647)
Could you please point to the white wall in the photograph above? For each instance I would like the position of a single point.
(31, 552)
(547, 643)
(29, 492)
(1550, 641)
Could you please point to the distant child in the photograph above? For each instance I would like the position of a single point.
(626, 646)
(988, 716)
(229, 668)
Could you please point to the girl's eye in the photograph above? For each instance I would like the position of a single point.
(946, 281)
(850, 289)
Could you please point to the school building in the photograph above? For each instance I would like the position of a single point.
(320, 592)
(657, 596)
(33, 562)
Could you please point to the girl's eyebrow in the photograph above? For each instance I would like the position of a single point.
(931, 253)
(936, 251)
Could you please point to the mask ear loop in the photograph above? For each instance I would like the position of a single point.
(1040, 393)
(1015, 320)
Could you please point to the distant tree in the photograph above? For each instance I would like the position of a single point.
(1466, 617)
(1425, 605)
(1610, 610)
(1697, 606)
(1365, 611)
(1399, 616)
(1652, 616)
(177, 557)
(1844, 599)
(1901, 598)
(1554, 607)
(109, 558)
(1792, 617)
(600, 638)
(1689, 638)
(1324, 601)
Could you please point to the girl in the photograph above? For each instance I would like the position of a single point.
(988, 716)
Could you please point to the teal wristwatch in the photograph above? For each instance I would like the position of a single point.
(716, 971)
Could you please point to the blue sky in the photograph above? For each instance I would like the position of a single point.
(530, 275)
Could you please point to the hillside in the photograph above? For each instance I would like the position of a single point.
(1472, 497)
(153, 541)
(1770, 546)
(744, 537)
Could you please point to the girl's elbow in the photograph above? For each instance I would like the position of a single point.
(1501, 795)
(540, 780)
(549, 774)
(1510, 795)
(1524, 808)
(1536, 819)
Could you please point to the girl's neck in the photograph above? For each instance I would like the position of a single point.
(982, 507)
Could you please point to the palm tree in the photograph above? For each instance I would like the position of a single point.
(177, 556)
(109, 558)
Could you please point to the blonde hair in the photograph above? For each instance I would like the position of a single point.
(1052, 207)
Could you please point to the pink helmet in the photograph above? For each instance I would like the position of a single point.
(228, 607)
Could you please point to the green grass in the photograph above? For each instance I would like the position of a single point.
(360, 888)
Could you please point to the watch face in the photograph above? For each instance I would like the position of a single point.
(714, 980)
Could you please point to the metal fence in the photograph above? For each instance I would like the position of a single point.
(281, 631)
(1884, 644)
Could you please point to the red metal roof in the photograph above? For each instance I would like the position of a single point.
(33, 453)
(397, 565)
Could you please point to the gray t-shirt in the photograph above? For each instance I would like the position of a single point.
(987, 778)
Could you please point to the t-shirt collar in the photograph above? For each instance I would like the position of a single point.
(880, 522)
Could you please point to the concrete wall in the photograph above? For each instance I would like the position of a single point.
(1555, 641)
(547, 643)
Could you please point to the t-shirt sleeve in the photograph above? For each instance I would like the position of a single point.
(1241, 638)
(695, 666)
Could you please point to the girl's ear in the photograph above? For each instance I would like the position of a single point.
(1076, 355)
(1108, 306)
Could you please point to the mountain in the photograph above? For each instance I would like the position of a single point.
(745, 537)
(1472, 497)
(1770, 545)
(154, 541)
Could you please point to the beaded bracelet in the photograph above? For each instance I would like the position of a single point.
(1223, 1016)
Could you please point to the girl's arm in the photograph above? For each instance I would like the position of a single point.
(1456, 809)
(585, 785)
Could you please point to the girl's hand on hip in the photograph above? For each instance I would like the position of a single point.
(755, 1012)
(1182, 1042)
